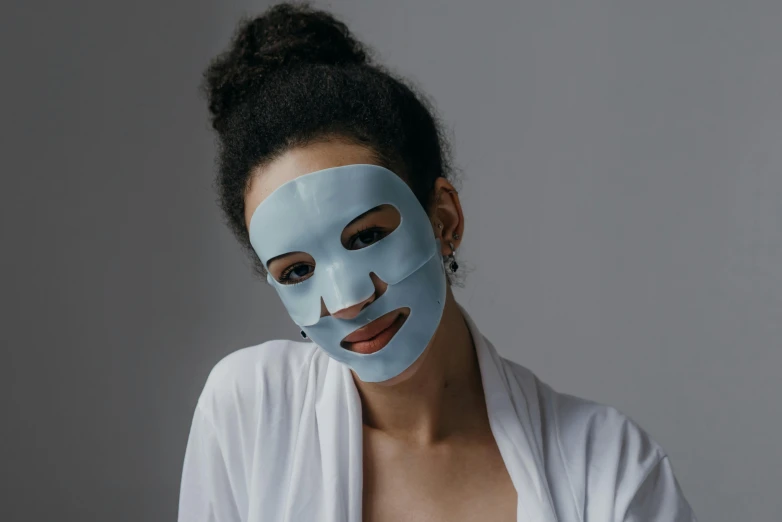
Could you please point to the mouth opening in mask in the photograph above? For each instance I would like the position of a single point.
(377, 334)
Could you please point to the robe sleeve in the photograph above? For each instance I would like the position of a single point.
(206, 494)
(659, 498)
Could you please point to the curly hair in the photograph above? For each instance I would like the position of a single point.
(295, 75)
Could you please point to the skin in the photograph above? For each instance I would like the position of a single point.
(429, 454)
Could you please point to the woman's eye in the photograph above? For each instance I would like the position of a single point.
(365, 238)
(296, 273)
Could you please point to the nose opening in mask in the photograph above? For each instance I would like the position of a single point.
(344, 291)
(380, 288)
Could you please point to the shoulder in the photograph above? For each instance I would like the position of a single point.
(271, 372)
(246, 415)
(596, 451)
(607, 455)
(600, 431)
(586, 428)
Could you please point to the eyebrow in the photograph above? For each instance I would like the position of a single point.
(369, 212)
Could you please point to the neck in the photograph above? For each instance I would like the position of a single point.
(439, 397)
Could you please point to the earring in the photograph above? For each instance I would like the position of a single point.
(456, 237)
(303, 335)
(440, 226)
(453, 265)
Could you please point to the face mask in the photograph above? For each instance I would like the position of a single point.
(308, 214)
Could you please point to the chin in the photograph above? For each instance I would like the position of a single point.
(410, 372)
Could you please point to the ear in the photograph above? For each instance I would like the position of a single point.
(446, 210)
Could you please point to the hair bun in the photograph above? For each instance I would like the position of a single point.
(289, 33)
(283, 36)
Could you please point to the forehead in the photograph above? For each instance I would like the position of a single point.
(297, 162)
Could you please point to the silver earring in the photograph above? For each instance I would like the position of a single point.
(440, 226)
(303, 335)
(456, 237)
(452, 265)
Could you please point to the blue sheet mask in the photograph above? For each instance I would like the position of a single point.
(308, 214)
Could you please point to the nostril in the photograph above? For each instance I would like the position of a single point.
(379, 284)
(348, 291)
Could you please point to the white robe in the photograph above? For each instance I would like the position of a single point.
(277, 437)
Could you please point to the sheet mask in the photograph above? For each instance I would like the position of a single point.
(308, 214)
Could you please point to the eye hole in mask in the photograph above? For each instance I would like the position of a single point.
(364, 231)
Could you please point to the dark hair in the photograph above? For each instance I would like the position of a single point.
(295, 75)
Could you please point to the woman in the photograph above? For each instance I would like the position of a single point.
(334, 176)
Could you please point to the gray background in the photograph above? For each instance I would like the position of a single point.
(622, 186)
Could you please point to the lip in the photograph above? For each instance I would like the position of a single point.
(374, 336)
